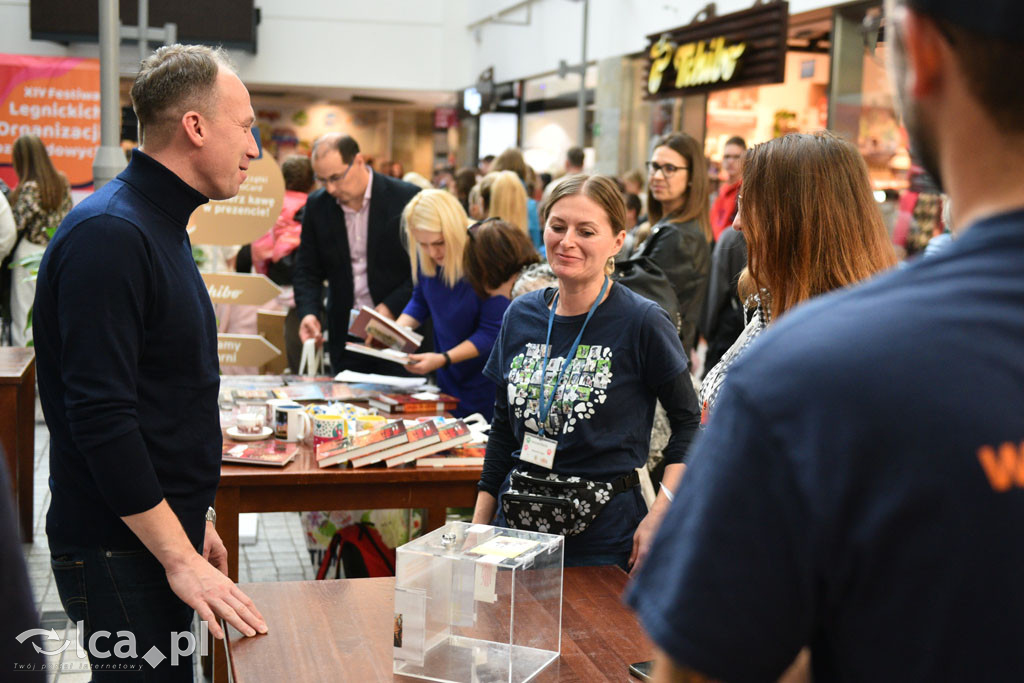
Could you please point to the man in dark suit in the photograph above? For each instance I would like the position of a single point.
(351, 237)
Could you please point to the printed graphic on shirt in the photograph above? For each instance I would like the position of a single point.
(1004, 465)
(584, 385)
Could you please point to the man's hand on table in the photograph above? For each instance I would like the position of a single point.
(198, 584)
(213, 595)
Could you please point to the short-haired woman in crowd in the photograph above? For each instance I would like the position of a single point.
(39, 203)
(811, 224)
(680, 235)
(578, 370)
(499, 260)
(465, 324)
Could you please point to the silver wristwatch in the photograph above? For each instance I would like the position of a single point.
(211, 515)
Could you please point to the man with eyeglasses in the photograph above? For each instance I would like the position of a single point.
(351, 238)
(723, 211)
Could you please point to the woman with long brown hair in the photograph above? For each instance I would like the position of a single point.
(39, 203)
(811, 224)
(679, 241)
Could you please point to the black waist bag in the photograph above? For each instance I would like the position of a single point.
(557, 504)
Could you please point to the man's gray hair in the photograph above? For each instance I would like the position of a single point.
(345, 145)
(171, 81)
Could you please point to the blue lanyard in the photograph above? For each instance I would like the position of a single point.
(545, 408)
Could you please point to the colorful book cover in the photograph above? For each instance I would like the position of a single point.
(451, 433)
(252, 395)
(414, 403)
(300, 392)
(273, 452)
(337, 391)
(344, 450)
(300, 379)
(419, 435)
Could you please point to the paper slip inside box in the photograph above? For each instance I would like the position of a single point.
(504, 546)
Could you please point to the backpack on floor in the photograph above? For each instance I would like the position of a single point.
(360, 550)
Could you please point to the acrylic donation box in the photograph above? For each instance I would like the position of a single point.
(476, 603)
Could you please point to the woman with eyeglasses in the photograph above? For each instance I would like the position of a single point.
(578, 370)
(679, 241)
(465, 324)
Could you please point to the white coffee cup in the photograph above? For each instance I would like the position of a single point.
(291, 422)
(272, 405)
(250, 423)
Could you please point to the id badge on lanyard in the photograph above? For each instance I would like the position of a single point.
(538, 449)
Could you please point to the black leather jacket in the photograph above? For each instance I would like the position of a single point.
(683, 253)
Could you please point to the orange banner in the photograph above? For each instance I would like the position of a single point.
(58, 99)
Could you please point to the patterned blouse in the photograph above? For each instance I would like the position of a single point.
(533, 276)
(713, 381)
(30, 216)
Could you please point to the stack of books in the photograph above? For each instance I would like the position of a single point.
(394, 444)
(410, 404)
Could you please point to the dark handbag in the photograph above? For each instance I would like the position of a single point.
(643, 276)
(558, 504)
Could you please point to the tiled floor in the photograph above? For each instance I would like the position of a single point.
(278, 555)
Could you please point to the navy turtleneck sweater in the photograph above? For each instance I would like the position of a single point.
(126, 350)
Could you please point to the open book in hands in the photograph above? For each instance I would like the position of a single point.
(384, 331)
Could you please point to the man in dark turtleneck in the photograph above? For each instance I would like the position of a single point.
(126, 343)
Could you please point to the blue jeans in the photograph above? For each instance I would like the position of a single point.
(121, 593)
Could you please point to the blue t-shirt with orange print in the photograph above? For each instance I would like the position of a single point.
(860, 486)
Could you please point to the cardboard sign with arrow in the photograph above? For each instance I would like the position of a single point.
(248, 215)
(240, 288)
(245, 349)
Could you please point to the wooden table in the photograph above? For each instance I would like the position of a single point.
(17, 427)
(342, 631)
(302, 486)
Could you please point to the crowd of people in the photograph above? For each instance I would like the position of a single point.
(845, 478)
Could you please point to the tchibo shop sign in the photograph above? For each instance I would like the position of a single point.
(739, 49)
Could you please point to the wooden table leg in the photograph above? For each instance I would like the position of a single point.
(10, 404)
(227, 505)
(227, 525)
(436, 517)
(220, 662)
(26, 452)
